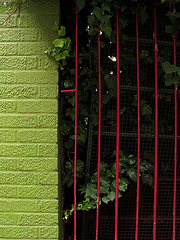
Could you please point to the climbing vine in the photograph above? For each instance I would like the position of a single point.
(103, 12)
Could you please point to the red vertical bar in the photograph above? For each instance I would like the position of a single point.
(138, 130)
(75, 138)
(117, 127)
(99, 133)
(156, 126)
(175, 141)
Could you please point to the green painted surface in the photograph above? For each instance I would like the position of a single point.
(28, 124)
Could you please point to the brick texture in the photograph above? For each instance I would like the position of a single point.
(28, 124)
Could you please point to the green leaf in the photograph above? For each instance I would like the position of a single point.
(145, 108)
(111, 195)
(168, 68)
(106, 28)
(143, 16)
(70, 113)
(97, 13)
(81, 4)
(62, 31)
(171, 79)
(105, 200)
(132, 174)
(59, 42)
(69, 143)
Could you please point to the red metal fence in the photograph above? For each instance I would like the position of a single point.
(155, 223)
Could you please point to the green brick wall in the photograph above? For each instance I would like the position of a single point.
(28, 124)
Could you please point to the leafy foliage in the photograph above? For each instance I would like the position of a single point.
(61, 47)
(127, 173)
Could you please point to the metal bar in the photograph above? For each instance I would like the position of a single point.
(138, 130)
(99, 133)
(75, 134)
(117, 127)
(68, 91)
(156, 126)
(175, 140)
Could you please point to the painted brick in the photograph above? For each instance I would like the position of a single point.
(18, 91)
(12, 21)
(18, 63)
(19, 35)
(38, 219)
(31, 21)
(28, 124)
(48, 91)
(38, 192)
(37, 164)
(44, 7)
(47, 63)
(37, 77)
(7, 136)
(18, 232)
(8, 191)
(8, 219)
(18, 150)
(8, 49)
(18, 121)
(7, 106)
(37, 106)
(48, 232)
(8, 164)
(48, 150)
(18, 178)
(35, 136)
(18, 205)
(48, 178)
(7, 77)
(49, 121)
(35, 48)
(48, 205)
(47, 37)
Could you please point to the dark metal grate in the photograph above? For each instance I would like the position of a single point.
(128, 138)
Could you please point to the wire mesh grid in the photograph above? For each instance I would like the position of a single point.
(128, 135)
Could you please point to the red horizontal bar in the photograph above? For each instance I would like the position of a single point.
(69, 90)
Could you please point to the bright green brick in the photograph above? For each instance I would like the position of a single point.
(8, 164)
(37, 136)
(7, 77)
(8, 106)
(29, 21)
(15, 91)
(12, 21)
(8, 49)
(48, 91)
(18, 205)
(38, 192)
(8, 219)
(8, 191)
(40, 219)
(49, 232)
(7, 135)
(18, 63)
(49, 121)
(37, 77)
(18, 35)
(17, 232)
(47, 63)
(37, 106)
(48, 150)
(18, 150)
(35, 48)
(48, 178)
(48, 206)
(18, 121)
(18, 178)
(37, 164)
